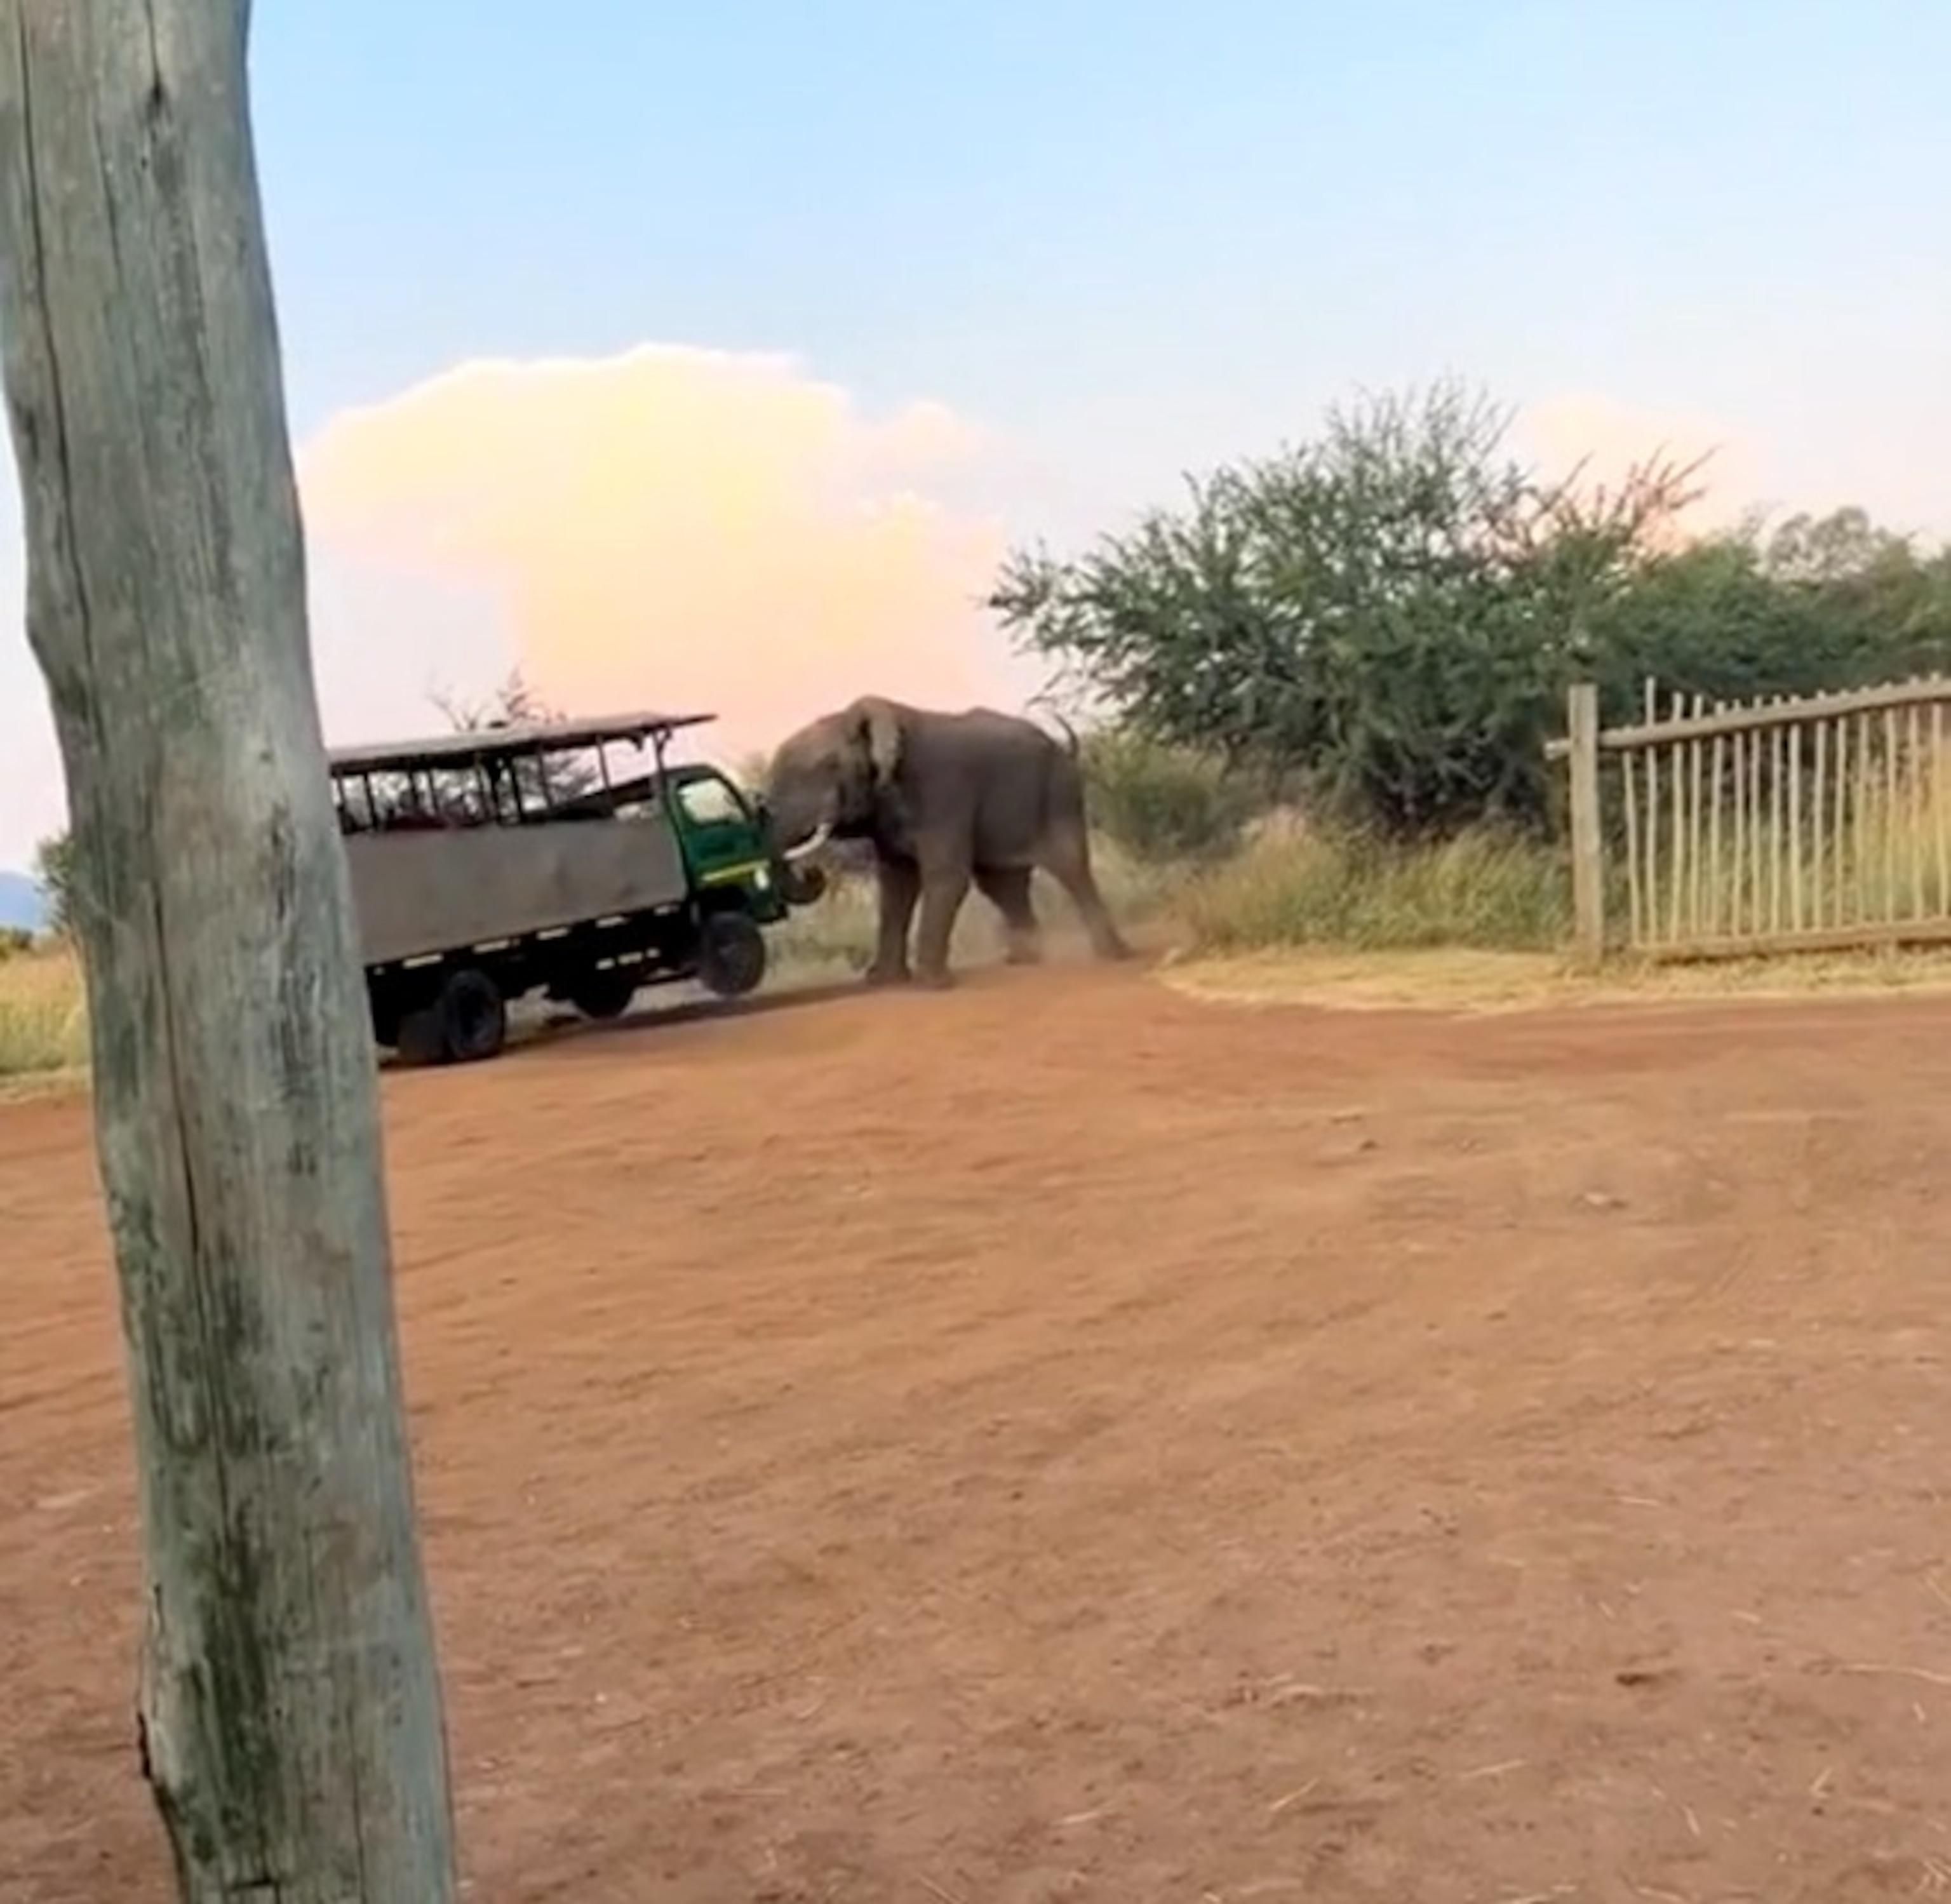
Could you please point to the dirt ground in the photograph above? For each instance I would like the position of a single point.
(1065, 1440)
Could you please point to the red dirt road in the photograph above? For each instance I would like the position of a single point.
(1061, 1441)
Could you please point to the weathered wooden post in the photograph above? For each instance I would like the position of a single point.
(1588, 847)
(290, 1704)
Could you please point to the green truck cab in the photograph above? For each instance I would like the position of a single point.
(510, 862)
(728, 846)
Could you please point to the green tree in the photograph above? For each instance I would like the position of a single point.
(1387, 614)
(1813, 605)
(53, 872)
(1886, 603)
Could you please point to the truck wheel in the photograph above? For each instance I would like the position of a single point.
(465, 1021)
(385, 1021)
(473, 1015)
(732, 955)
(604, 993)
(420, 1038)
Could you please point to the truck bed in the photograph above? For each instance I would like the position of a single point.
(446, 889)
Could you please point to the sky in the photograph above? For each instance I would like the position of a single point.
(716, 356)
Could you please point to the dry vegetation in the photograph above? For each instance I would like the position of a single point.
(43, 1023)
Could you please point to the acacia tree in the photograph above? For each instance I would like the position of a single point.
(1385, 613)
(289, 1702)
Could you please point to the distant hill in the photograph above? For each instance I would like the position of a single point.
(22, 908)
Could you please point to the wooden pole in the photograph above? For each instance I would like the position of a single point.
(1588, 850)
(291, 1722)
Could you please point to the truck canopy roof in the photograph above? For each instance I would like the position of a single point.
(475, 743)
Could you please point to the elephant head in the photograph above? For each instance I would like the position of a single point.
(835, 777)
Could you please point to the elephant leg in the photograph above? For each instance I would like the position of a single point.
(1007, 888)
(1067, 859)
(944, 887)
(899, 883)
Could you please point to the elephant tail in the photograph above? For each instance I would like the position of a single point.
(1072, 744)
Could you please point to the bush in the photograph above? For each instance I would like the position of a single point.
(1158, 803)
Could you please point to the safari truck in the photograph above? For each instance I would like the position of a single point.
(504, 862)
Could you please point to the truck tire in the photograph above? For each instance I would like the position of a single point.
(474, 1016)
(731, 955)
(466, 1021)
(385, 1013)
(605, 992)
(419, 1038)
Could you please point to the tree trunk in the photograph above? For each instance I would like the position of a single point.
(290, 1704)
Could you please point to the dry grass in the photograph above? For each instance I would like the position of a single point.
(1291, 889)
(43, 1020)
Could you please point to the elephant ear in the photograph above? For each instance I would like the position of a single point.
(879, 725)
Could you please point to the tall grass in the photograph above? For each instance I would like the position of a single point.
(1341, 889)
(43, 1020)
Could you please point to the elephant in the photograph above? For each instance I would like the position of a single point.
(946, 801)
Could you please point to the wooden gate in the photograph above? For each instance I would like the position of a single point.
(1739, 829)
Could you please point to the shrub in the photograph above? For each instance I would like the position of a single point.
(1162, 803)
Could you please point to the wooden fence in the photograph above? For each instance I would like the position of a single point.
(1737, 829)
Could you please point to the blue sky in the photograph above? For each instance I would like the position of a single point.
(1122, 239)
(1256, 201)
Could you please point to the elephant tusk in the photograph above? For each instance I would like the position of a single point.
(806, 848)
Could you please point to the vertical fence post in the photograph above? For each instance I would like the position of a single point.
(1588, 848)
